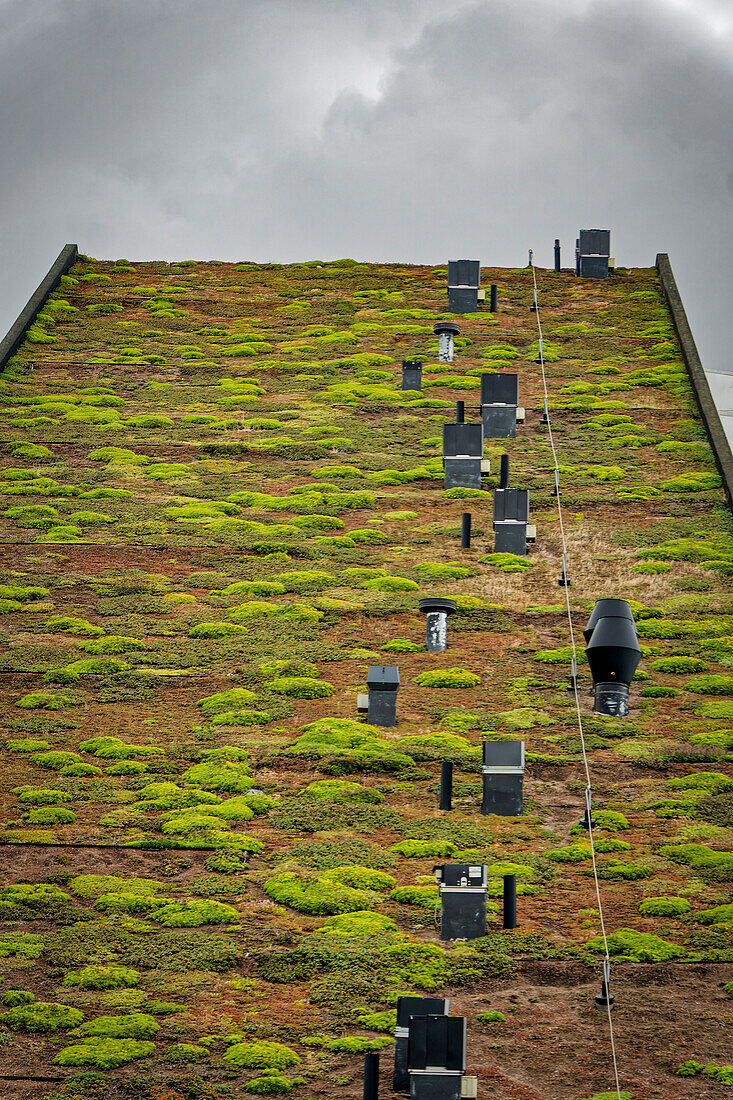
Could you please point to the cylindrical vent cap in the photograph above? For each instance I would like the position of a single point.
(449, 328)
(613, 651)
(608, 608)
(437, 603)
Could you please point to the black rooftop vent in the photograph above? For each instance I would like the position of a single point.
(613, 653)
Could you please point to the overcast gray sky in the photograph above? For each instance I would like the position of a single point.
(415, 130)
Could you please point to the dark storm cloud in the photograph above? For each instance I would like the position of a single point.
(286, 129)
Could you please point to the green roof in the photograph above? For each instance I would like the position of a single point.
(220, 510)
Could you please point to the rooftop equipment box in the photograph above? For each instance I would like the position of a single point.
(462, 299)
(412, 374)
(464, 440)
(510, 519)
(503, 778)
(383, 682)
(594, 242)
(500, 389)
(462, 900)
(437, 1044)
(407, 1007)
(592, 253)
(464, 273)
(464, 278)
(463, 448)
(499, 401)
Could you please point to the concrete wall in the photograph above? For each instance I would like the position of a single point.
(708, 411)
(16, 334)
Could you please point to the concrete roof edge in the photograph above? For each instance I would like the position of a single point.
(16, 333)
(711, 419)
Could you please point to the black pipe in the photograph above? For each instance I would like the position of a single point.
(504, 472)
(371, 1075)
(466, 531)
(460, 412)
(446, 785)
(557, 254)
(510, 901)
(494, 303)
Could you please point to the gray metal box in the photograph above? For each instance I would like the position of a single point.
(382, 708)
(462, 299)
(412, 375)
(406, 1008)
(383, 682)
(595, 242)
(462, 912)
(464, 273)
(510, 538)
(511, 504)
(463, 440)
(503, 754)
(593, 267)
(435, 1086)
(499, 421)
(499, 389)
(503, 793)
(461, 473)
(503, 778)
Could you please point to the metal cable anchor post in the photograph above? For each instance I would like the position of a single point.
(588, 822)
(573, 683)
(605, 1000)
(563, 580)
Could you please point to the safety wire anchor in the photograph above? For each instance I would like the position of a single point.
(605, 1000)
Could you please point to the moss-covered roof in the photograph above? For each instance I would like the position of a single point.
(220, 509)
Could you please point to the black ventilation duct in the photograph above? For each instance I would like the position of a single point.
(613, 653)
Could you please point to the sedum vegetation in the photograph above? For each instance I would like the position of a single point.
(220, 509)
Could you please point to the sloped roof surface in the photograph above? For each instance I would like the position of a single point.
(219, 510)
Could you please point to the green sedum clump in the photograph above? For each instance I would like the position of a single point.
(318, 896)
(270, 1083)
(722, 1074)
(706, 861)
(261, 1055)
(301, 687)
(426, 896)
(361, 922)
(401, 645)
(135, 1025)
(360, 878)
(102, 977)
(664, 906)
(104, 1053)
(13, 997)
(341, 790)
(630, 946)
(192, 914)
(424, 849)
(347, 1044)
(447, 678)
(41, 1016)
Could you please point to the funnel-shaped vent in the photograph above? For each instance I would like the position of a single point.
(613, 652)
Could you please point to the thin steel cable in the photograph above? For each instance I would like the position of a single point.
(588, 788)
